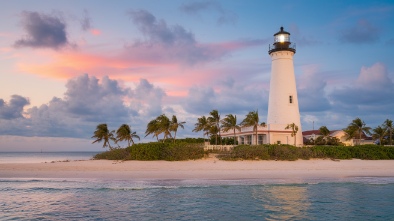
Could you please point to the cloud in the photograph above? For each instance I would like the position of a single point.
(87, 102)
(14, 109)
(86, 21)
(362, 32)
(42, 31)
(311, 91)
(174, 44)
(196, 7)
(372, 92)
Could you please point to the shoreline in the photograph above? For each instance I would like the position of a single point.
(203, 169)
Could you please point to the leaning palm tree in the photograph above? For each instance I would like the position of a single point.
(359, 126)
(214, 120)
(202, 125)
(153, 128)
(388, 126)
(230, 123)
(325, 133)
(175, 125)
(379, 133)
(164, 126)
(252, 120)
(103, 134)
(294, 130)
(124, 133)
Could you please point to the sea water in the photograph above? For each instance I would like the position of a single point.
(353, 198)
(42, 157)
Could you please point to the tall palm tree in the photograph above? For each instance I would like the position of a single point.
(214, 120)
(124, 133)
(230, 123)
(379, 133)
(359, 126)
(175, 125)
(325, 133)
(202, 125)
(294, 130)
(252, 119)
(164, 126)
(103, 134)
(153, 128)
(388, 125)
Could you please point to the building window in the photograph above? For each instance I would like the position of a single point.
(290, 99)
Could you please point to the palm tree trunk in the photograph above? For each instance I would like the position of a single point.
(174, 136)
(256, 134)
(234, 135)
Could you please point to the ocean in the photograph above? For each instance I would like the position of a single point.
(355, 198)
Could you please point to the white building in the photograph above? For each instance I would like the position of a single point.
(283, 100)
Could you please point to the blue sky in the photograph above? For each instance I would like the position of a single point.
(66, 66)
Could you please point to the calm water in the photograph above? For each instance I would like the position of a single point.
(34, 157)
(357, 198)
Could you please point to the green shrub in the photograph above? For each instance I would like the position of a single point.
(115, 154)
(166, 151)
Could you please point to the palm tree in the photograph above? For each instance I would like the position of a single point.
(294, 130)
(214, 120)
(164, 126)
(124, 133)
(158, 126)
(252, 119)
(325, 133)
(379, 133)
(202, 125)
(103, 134)
(230, 123)
(175, 125)
(388, 125)
(153, 128)
(359, 126)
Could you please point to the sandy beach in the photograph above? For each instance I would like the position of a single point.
(210, 168)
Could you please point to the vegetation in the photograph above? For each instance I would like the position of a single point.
(230, 123)
(163, 125)
(357, 128)
(156, 151)
(388, 126)
(252, 120)
(103, 134)
(124, 133)
(214, 122)
(202, 125)
(294, 130)
(288, 152)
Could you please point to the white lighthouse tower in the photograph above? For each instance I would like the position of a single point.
(283, 100)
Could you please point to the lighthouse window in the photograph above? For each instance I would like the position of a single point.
(290, 99)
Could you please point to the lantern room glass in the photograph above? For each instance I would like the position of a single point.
(282, 38)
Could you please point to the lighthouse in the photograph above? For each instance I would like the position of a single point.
(283, 100)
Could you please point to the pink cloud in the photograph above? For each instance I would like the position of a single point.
(95, 32)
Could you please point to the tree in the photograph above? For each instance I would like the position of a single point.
(214, 121)
(124, 133)
(230, 123)
(388, 126)
(379, 133)
(294, 130)
(153, 128)
(325, 133)
(103, 134)
(175, 125)
(252, 120)
(202, 125)
(160, 125)
(359, 127)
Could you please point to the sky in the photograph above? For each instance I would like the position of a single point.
(67, 66)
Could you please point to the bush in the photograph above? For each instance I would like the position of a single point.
(115, 154)
(167, 151)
